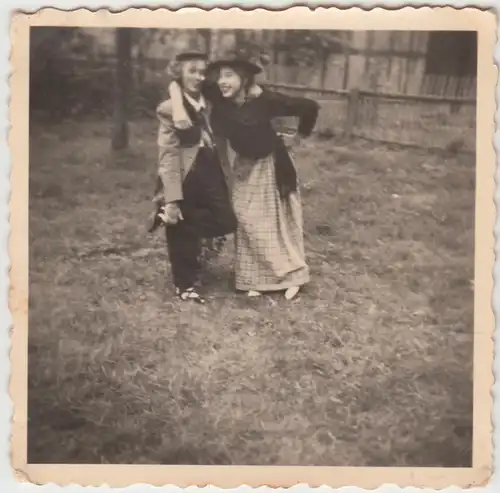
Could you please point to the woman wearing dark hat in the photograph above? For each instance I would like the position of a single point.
(192, 193)
(269, 237)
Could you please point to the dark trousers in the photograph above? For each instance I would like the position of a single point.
(207, 212)
(183, 246)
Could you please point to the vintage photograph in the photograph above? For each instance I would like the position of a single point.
(252, 246)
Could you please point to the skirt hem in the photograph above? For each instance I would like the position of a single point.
(301, 281)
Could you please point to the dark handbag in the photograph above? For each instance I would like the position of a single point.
(155, 221)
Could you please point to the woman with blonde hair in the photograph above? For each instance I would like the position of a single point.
(192, 192)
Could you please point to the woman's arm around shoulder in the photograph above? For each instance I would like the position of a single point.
(179, 114)
(210, 90)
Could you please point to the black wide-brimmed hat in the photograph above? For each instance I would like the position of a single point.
(251, 64)
(187, 56)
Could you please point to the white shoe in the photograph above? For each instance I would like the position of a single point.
(290, 293)
(253, 294)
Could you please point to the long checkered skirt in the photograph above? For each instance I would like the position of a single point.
(269, 237)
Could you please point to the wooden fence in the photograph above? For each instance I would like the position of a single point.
(419, 120)
(427, 122)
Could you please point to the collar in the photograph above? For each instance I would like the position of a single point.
(197, 105)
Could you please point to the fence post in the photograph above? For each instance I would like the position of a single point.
(352, 112)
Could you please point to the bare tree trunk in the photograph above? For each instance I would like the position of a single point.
(145, 37)
(123, 79)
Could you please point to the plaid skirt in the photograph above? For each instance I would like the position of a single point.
(269, 237)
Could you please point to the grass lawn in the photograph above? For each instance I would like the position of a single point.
(370, 366)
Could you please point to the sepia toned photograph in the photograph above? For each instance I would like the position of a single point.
(251, 246)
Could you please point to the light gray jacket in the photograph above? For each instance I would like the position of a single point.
(175, 161)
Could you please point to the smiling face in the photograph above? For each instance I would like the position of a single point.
(230, 82)
(193, 74)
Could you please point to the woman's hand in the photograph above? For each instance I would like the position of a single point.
(180, 116)
(171, 213)
(206, 139)
(183, 124)
(292, 141)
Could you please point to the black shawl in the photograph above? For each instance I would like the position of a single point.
(250, 132)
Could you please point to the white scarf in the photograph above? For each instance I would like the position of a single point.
(197, 105)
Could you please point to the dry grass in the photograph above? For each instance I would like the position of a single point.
(371, 366)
